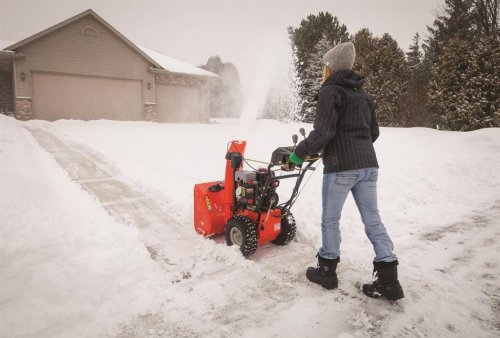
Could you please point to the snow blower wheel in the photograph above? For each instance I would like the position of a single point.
(288, 230)
(241, 231)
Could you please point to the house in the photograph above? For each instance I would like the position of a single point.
(83, 68)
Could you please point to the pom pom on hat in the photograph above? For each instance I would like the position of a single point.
(340, 57)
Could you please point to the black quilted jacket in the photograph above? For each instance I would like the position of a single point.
(345, 126)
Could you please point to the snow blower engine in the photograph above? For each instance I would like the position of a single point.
(245, 206)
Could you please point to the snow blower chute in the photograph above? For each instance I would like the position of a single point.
(245, 206)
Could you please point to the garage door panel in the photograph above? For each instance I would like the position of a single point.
(177, 103)
(57, 96)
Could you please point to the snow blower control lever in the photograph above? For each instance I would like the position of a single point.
(245, 206)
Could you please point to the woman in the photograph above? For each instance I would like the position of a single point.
(344, 130)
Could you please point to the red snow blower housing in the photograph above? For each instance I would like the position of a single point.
(245, 206)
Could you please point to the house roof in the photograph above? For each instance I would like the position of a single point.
(174, 65)
(161, 62)
(8, 54)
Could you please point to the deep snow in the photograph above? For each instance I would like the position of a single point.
(70, 268)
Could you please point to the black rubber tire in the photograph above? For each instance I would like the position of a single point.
(288, 230)
(248, 231)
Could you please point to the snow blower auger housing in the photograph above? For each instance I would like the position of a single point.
(245, 206)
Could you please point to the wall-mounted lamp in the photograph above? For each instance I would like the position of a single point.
(148, 85)
(23, 76)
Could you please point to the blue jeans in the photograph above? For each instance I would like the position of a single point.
(363, 185)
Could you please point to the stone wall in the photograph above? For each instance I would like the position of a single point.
(150, 113)
(178, 79)
(23, 109)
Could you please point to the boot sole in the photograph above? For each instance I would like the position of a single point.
(393, 293)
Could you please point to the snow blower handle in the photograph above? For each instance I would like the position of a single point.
(312, 157)
(295, 138)
(302, 132)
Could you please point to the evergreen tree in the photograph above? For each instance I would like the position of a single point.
(313, 79)
(231, 90)
(383, 64)
(462, 56)
(414, 103)
(225, 93)
(312, 29)
(214, 65)
(456, 20)
(304, 41)
(414, 55)
(364, 43)
(464, 90)
(486, 17)
(386, 72)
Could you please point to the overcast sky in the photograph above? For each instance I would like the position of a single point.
(246, 33)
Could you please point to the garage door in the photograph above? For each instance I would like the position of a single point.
(57, 96)
(177, 103)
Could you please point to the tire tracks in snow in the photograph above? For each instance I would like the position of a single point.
(126, 204)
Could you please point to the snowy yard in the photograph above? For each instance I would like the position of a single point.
(97, 237)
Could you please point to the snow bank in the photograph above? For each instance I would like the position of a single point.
(67, 268)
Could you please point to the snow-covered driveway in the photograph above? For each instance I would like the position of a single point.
(124, 203)
(97, 237)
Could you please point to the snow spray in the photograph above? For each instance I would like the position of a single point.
(271, 69)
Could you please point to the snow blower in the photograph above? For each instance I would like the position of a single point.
(245, 206)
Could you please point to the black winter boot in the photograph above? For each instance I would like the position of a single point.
(387, 284)
(324, 274)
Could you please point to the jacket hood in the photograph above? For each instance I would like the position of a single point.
(346, 78)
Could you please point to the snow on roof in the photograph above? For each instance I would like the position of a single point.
(174, 65)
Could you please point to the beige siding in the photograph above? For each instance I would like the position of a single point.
(58, 96)
(69, 51)
(177, 103)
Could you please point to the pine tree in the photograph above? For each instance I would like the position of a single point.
(485, 14)
(414, 102)
(214, 65)
(386, 72)
(414, 56)
(304, 42)
(313, 79)
(484, 90)
(231, 90)
(311, 30)
(462, 54)
(456, 20)
(364, 43)
(464, 90)
(225, 93)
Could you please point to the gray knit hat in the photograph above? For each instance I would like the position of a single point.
(340, 57)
